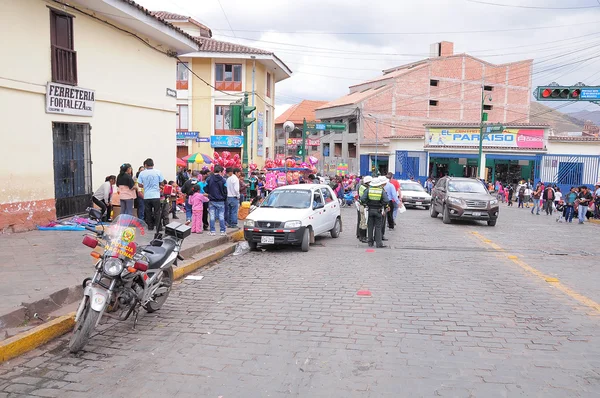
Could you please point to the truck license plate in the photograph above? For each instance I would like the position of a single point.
(267, 239)
(419, 203)
(476, 214)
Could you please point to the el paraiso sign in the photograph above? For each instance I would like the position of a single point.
(69, 100)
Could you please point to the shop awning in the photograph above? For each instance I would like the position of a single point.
(451, 155)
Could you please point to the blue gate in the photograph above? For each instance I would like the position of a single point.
(365, 167)
(411, 164)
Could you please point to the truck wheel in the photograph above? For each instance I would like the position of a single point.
(446, 215)
(305, 240)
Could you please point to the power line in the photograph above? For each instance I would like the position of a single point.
(531, 7)
(227, 19)
(305, 32)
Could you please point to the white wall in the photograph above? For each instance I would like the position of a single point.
(573, 148)
(133, 119)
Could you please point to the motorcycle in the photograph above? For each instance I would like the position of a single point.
(134, 270)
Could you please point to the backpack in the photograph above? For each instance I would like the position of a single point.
(522, 191)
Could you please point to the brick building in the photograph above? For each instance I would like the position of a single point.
(391, 110)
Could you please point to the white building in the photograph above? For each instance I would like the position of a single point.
(84, 87)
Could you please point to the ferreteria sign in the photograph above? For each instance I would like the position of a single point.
(509, 138)
(69, 100)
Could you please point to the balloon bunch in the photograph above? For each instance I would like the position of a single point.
(226, 160)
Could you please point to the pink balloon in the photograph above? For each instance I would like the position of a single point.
(236, 157)
(304, 164)
(313, 160)
(226, 155)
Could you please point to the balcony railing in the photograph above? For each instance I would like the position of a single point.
(64, 65)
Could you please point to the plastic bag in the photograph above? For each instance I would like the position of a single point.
(241, 248)
(401, 209)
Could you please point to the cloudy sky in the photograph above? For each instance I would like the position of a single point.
(333, 44)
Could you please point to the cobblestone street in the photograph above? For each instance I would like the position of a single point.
(459, 310)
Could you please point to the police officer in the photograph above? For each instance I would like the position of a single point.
(361, 233)
(375, 198)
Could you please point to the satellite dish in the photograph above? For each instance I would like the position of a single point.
(288, 127)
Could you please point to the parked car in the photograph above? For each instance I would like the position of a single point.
(294, 215)
(413, 194)
(463, 198)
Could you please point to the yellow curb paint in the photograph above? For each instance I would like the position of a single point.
(594, 221)
(180, 272)
(547, 278)
(31, 339)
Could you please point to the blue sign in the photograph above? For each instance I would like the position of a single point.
(320, 126)
(226, 141)
(187, 135)
(203, 139)
(590, 93)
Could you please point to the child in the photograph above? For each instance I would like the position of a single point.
(165, 208)
(173, 199)
(197, 201)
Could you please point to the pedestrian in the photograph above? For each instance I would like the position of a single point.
(197, 201)
(127, 191)
(597, 201)
(521, 196)
(509, 194)
(549, 197)
(585, 198)
(253, 185)
(570, 199)
(139, 201)
(429, 185)
(537, 195)
(375, 199)
(228, 173)
(217, 195)
(394, 203)
(501, 193)
(361, 223)
(557, 196)
(233, 197)
(186, 189)
(150, 179)
(102, 196)
(527, 197)
(202, 183)
(182, 176)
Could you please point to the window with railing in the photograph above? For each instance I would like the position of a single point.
(63, 57)
(182, 75)
(182, 118)
(228, 77)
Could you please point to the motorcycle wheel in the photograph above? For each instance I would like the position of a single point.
(158, 301)
(83, 328)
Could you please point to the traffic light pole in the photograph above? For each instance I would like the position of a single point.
(245, 147)
(304, 140)
(480, 166)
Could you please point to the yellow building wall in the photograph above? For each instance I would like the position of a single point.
(205, 98)
(133, 117)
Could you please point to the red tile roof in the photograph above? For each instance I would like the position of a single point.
(170, 25)
(296, 113)
(217, 46)
(170, 16)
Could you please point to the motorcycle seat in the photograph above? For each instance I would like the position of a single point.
(158, 254)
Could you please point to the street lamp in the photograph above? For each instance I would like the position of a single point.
(376, 144)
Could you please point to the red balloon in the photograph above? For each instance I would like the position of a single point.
(226, 155)
(216, 155)
(236, 157)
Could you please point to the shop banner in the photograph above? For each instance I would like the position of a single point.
(226, 141)
(509, 138)
(69, 100)
(187, 135)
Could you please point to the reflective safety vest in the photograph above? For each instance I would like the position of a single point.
(375, 194)
(361, 190)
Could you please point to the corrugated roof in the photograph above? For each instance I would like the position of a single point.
(353, 98)
(298, 112)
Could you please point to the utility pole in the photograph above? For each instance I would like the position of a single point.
(376, 148)
(304, 140)
(484, 117)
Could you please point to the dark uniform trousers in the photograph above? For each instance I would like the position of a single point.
(374, 226)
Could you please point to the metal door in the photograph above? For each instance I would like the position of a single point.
(72, 168)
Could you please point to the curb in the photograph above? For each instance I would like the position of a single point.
(31, 339)
(594, 221)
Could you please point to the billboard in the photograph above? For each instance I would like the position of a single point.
(509, 138)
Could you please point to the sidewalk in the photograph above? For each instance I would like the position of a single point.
(37, 264)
